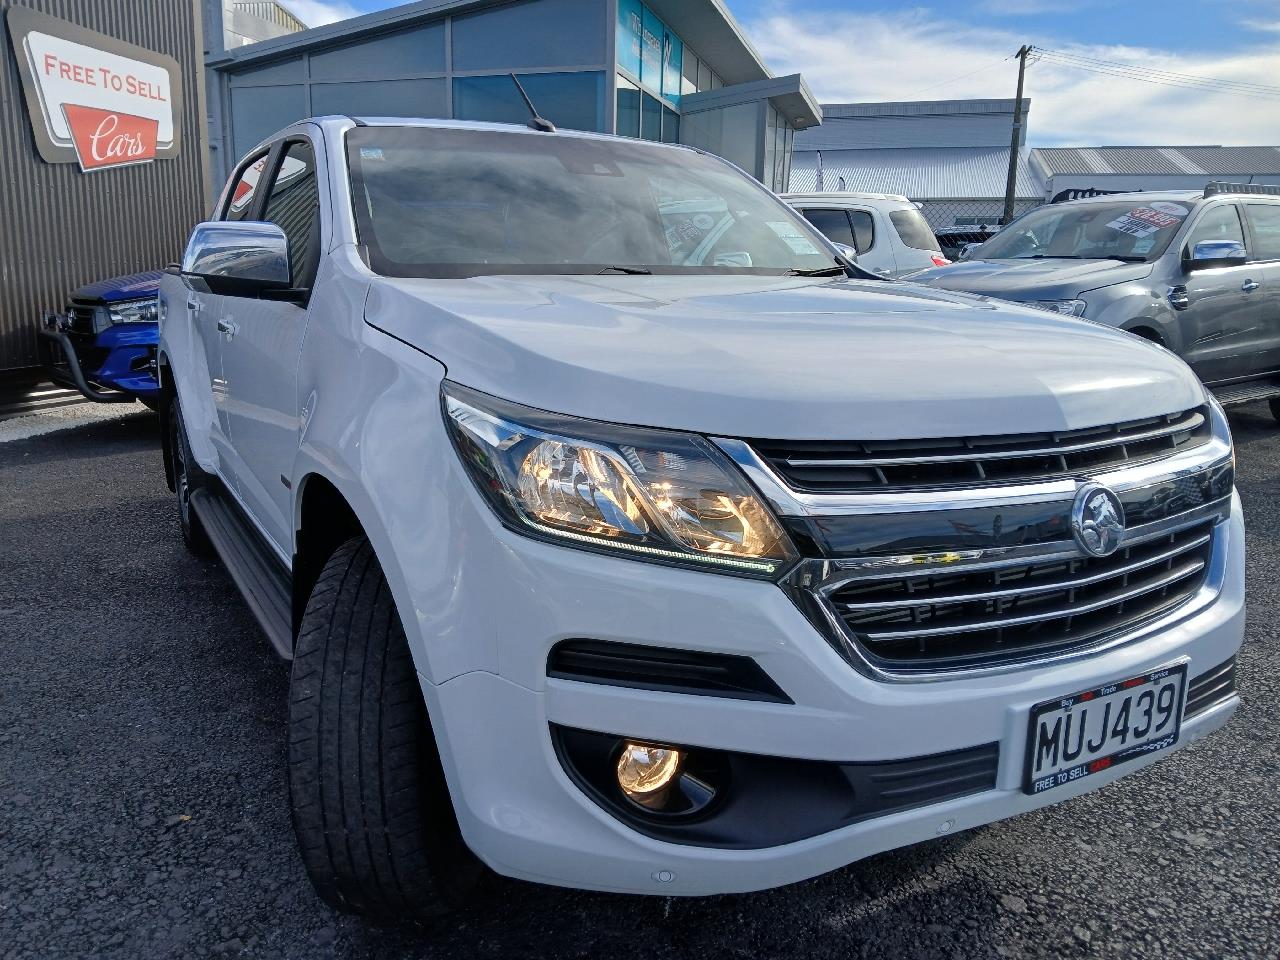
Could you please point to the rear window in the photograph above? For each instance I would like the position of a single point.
(914, 230)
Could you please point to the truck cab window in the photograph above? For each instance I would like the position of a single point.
(240, 202)
(294, 206)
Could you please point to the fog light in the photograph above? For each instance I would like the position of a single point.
(647, 771)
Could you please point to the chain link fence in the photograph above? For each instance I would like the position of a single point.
(957, 222)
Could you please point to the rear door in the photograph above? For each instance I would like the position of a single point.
(1218, 323)
(260, 350)
(854, 227)
(1263, 218)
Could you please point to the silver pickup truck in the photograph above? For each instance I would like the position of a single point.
(1197, 272)
(623, 537)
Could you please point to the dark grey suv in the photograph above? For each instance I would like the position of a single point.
(1196, 272)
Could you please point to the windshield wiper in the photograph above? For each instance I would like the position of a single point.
(1052, 256)
(833, 271)
(628, 270)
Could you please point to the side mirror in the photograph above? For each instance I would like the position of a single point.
(244, 258)
(846, 251)
(967, 250)
(1216, 253)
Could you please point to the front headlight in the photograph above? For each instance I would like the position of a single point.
(135, 311)
(657, 495)
(1068, 308)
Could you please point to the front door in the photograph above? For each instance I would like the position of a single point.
(1216, 324)
(260, 349)
(210, 316)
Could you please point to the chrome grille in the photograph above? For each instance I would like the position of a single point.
(823, 466)
(1008, 611)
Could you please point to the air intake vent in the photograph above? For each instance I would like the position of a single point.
(1211, 688)
(662, 669)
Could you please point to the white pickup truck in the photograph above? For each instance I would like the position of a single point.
(625, 537)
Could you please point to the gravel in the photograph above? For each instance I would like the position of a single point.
(143, 808)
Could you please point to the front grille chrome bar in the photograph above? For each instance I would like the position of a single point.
(1030, 590)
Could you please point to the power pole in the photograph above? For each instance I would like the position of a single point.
(1012, 182)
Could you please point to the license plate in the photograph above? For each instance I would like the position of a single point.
(1073, 737)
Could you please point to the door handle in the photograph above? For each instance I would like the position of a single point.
(194, 305)
(227, 327)
(1250, 285)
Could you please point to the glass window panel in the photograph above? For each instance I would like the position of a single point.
(294, 206)
(240, 200)
(381, 98)
(628, 119)
(864, 230)
(1221, 223)
(1264, 218)
(715, 82)
(770, 147)
(704, 76)
(391, 56)
(651, 122)
(651, 51)
(689, 72)
(574, 101)
(258, 112)
(630, 27)
(729, 132)
(834, 224)
(279, 72)
(670, 126)
(671, 68)
(535, 33)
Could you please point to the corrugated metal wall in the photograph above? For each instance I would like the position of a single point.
(60, 228)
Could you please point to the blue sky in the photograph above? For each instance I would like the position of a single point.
(857, 50)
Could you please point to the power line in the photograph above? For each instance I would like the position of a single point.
(1206, 84)
(941, 83)
(1166, 74)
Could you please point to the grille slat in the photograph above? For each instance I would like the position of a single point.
(837, 466)
(953, 618)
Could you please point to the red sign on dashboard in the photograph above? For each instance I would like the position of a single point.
(107, 138)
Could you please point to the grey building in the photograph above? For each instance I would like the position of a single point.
(671, 70)
(1151, 168)
(950, 156)
(249, 21)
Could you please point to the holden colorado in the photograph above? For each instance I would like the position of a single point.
(624, 535)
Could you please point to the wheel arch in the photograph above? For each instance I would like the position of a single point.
(167, 393)
(324, 519)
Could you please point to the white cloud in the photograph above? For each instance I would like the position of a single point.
(856, 57)
(317, 13)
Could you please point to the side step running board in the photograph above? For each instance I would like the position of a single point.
(263, 581)
(1247, 391)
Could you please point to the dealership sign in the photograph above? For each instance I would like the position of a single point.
(93, 99)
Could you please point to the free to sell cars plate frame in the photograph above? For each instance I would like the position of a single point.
(1112, 698)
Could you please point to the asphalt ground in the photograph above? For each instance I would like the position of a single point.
(143, 806)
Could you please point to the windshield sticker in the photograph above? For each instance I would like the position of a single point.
(1164, 206)
(371, 153)
(790, 234)
(1144, 221)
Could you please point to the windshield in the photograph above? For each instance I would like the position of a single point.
(437, 202)
(1129, 230)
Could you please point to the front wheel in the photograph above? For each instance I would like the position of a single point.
(371, 809)
(187, 478)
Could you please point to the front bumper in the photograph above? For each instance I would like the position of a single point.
(117, 364)
(524, 816)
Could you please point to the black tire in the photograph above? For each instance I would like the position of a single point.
(371, 809)
(187, 478)
(1274, 403)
